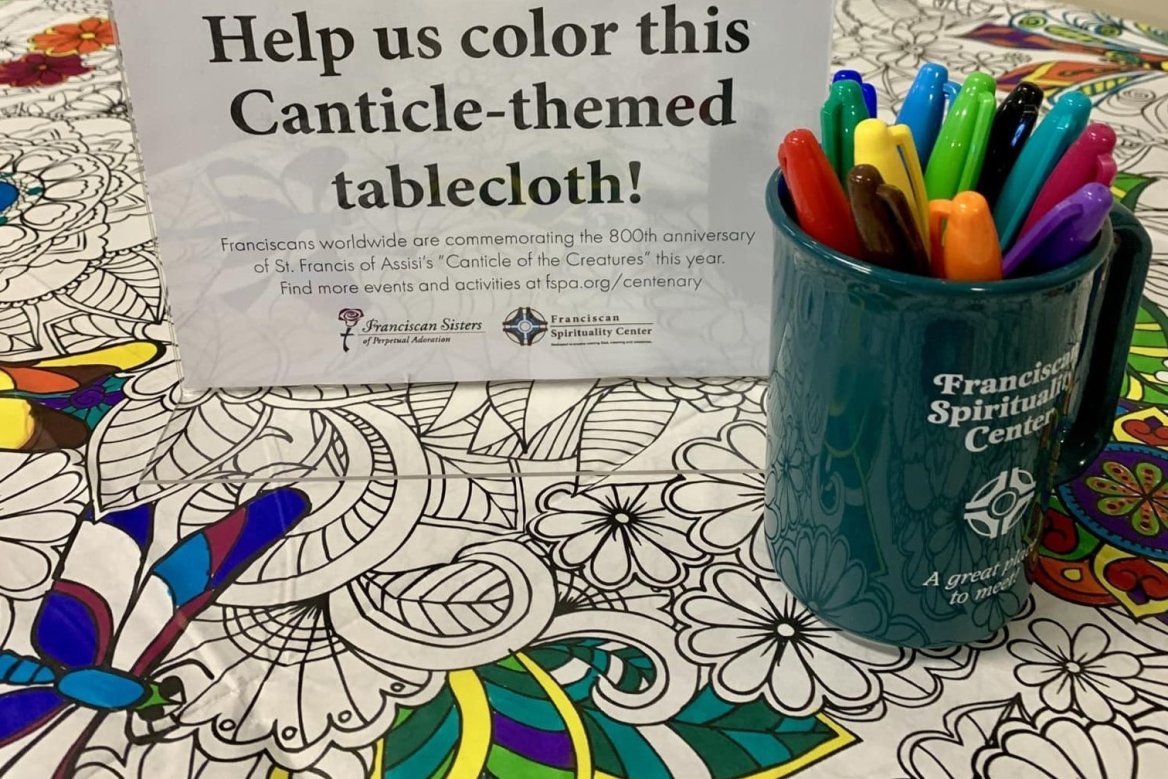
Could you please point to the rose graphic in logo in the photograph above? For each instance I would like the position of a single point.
(349, 317)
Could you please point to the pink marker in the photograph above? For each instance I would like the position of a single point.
(1088, 161)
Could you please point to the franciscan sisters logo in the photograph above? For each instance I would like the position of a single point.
(349, 317)
(525, 326)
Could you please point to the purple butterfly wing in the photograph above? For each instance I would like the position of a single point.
(74, 626)
(23, 711)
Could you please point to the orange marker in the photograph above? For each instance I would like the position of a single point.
(965, 240)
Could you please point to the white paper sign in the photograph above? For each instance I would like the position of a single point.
(366, 192)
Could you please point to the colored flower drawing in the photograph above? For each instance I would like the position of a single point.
(617, 534)
(1094, 558)
(40, 70)
(1122, 498)
(1141, 496)
(1076, 672)
(85, 37)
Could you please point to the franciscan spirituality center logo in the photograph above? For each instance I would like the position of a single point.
(525, 326)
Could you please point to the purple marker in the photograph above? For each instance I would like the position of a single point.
(1063, 235)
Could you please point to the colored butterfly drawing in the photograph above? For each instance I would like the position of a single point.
(1124, 51)
(56, 403)
(90, 663)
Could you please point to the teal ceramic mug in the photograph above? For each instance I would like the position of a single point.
(916, 427)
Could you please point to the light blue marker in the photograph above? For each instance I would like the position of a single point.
(924, 108)
(1061, 128)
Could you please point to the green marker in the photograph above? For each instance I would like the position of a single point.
(845, 108)
(957, 159)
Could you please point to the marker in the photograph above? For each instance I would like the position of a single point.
(1088, 160)
(965, 242)
(870, 98)
(886, 222)
(1012, 127)
(821, 206)
(923, 111)
(841, 113)
(952, 89)
(892, 152)
(1061, 128)
(956, 163)
(1065, 234)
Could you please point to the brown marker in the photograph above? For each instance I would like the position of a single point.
(886, 222)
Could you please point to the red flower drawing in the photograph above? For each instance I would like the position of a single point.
(39, 70)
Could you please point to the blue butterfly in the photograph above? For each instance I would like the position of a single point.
(85, 660)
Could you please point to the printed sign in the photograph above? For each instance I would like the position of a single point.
(368, 192)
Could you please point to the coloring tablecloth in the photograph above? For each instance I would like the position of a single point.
(624, 624)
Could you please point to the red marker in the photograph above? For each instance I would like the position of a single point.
(821, 206)
(1088, 161)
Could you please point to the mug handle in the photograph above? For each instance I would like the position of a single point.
(1123, 289)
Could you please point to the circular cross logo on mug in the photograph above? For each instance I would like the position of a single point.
(999, 505)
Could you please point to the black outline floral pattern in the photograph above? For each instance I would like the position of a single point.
(562, 501)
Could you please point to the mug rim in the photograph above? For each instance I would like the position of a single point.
(1045, 282)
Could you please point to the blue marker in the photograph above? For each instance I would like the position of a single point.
(924, 108)
(869, 90)
(952, 90)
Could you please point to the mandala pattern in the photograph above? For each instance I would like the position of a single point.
(259, 584)
(1127, 489)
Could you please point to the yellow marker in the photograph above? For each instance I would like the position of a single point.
(891, 151)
